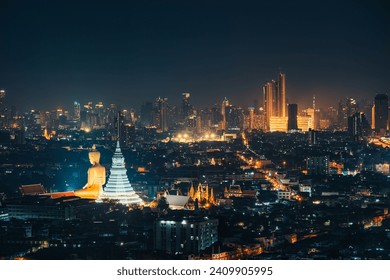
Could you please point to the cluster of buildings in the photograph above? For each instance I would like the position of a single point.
(273, 113)
(268, 182)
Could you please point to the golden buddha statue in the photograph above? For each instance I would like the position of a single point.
(96, 177)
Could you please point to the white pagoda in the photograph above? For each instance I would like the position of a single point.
(118, 187)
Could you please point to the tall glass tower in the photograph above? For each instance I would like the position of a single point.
(381, 113)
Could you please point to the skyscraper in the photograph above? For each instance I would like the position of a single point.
(76, 111)
(185, 106)
(3, 116)
(2, 97)
(147, 113)
(251, 111)
(162, 113)
(381, 113)
(225, 105)
(292, 117)
(358, 126)
(269, 90)
(281, 98)
(274, 97)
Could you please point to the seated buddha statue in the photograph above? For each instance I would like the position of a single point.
(96, 177)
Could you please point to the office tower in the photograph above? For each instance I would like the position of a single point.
(216, 116)
(351, 106)
(365, 106)
(4, 115)
(358, 126)
(274, 101)
(251, 124)
(225, 105)
(281, 98)
(120, 126)
(161, 117)
(2, 97)
(147, 113)
(85, 121)
(341, 116)
(292, 117)
(381, 113)
(234, 118)
(185, 106)
(206, 116)
(269, 90)
(76, 111)
(312, 137)
(99, 114)
(188, 235)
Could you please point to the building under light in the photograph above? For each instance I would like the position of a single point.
(189, 235)
(278, 124)
(304, 123)
(118, 187)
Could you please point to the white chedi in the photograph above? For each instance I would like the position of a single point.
(118, 187)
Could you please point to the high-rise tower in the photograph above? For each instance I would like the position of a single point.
(292, 117)
(381, 113)
(2, 97)
(186, 106)
(225, 105)
(162, 113)
(281, 98)
(269, 90)
(251, 111)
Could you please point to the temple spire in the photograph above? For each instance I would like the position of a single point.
(118, 186)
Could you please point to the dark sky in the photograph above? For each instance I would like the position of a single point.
(126, 52)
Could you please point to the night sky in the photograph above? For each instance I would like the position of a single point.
(126, 52)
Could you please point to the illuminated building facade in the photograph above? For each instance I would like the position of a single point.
(118, 187)
(304, 123)
(186, 235)
(281, 100)
(274, 97)
(278, 124)
(269, 90)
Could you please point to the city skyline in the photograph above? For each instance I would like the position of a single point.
(84, 51)
(176, 101)
(195, 130)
